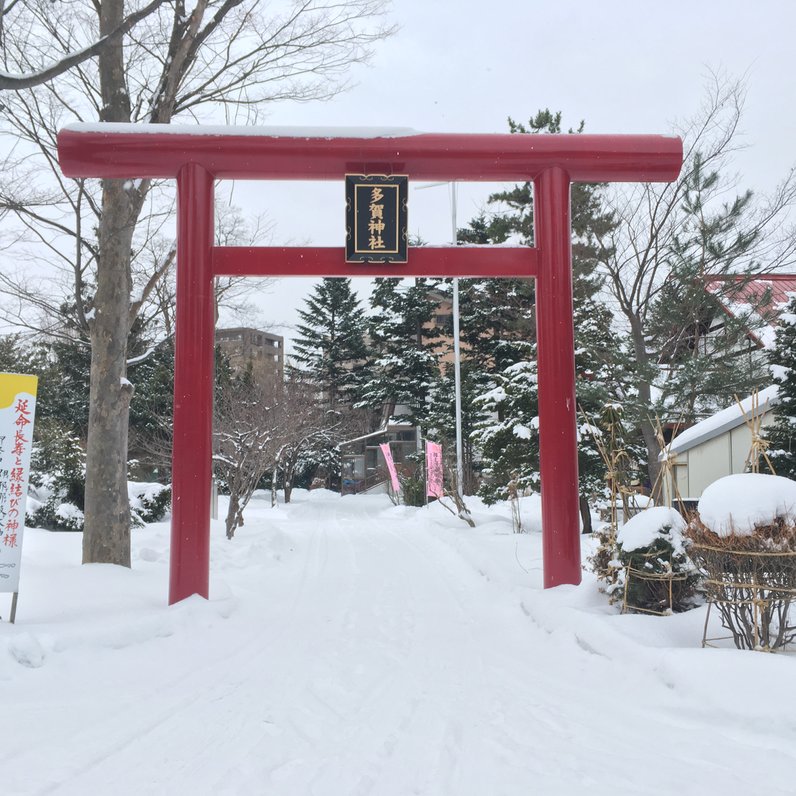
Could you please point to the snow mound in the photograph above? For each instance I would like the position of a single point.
(736, 504)
(645, 527)
(27, 650)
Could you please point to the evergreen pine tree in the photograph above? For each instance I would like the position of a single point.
(499, 329)
(782, 433)
(331, 345)
(440, 420)
(64, 384)
(402, 366)
(508, 436)
(702, 367)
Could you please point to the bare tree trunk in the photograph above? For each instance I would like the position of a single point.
(274, 474)
(585, 515)
(645, 397)
(233, 514)
(288, 474)
(107, 512)
(172, 73)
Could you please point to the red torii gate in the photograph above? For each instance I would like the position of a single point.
(198, 156)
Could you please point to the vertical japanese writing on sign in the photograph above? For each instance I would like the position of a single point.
(376, 218)
(387, 453)
(434, 469)
(17, 410)
(376, 223)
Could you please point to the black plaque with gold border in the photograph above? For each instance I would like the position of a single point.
(376, 218)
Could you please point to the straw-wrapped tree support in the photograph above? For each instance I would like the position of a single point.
(751, 579)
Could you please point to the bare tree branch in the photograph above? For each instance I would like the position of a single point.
(53, 70)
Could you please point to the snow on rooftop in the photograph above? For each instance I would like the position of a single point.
(722, 421)
(275, 131)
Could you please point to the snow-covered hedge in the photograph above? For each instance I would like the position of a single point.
(148, 502)
(737, 505)
(53, 514)
(744, 539)
(48, 509)
(647, 527)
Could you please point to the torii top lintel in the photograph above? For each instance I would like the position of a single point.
(160, 151)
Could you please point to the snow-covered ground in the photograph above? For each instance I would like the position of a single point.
(351, 647)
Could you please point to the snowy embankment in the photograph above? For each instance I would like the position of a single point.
(353, 647)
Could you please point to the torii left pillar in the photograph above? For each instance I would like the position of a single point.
(193, 385)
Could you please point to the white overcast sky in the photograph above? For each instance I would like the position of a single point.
(623, 67)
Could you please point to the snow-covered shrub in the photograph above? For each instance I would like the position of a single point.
(57, 479)
(744, 539)
(54, 515)
(605, 563)
(412, 480)
(57, 484)
(747, 505)
(148, 502)
(658, 576)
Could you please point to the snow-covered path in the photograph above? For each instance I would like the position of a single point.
(352, 647)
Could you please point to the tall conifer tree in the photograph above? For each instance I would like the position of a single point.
(782, 434)
(499, 329)
(331, 345)
(402, 367)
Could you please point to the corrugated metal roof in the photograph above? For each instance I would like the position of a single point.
(768, 292)
(773, 287)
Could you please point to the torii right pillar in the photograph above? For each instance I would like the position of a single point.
(555, 336)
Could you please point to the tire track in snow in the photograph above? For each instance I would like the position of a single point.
(263, 661)
(156, 712)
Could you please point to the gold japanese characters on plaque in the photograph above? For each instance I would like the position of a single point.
(376, 218)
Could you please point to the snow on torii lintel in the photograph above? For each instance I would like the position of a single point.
(115, 151)
(268, 131)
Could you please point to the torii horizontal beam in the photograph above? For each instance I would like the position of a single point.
(265, 153)
(519, 262)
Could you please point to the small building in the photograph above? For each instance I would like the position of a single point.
(262, 351)
(363, 465)
(716, 446)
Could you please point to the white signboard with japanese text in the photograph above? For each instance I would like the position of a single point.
(17, 409)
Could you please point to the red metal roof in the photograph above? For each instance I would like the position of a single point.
(774, 287)
(768, 292)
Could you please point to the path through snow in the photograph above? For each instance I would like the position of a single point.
(351, 647)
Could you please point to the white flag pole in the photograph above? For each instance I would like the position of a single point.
(457, 364)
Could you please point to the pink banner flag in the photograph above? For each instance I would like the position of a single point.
(433, 469)
(387, 453)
